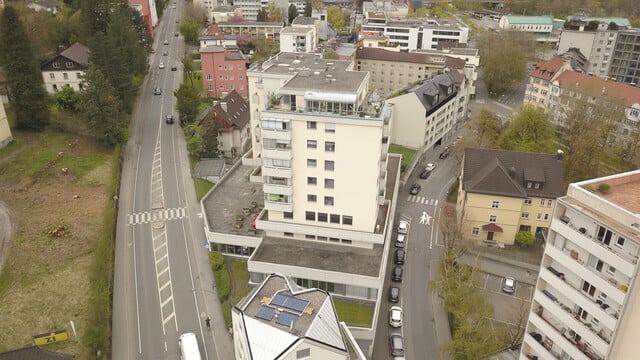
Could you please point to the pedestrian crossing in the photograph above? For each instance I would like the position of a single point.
(422, 200)
(157, 215)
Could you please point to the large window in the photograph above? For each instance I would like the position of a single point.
(312, 144)
(329, 165)
(268, 162)
(310, 215)
(347, 220)
(322, 217)
(329, 183)
(335, 218)
(329, 146)
(275, 124)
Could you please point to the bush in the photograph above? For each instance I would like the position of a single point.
(223, 282)
(604, 187)
(216, 259)
(525, 238)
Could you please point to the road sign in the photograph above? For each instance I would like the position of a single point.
(50, 338)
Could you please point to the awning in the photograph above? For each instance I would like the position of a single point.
(491, 227)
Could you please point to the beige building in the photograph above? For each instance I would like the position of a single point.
(5, 131)
(391, 71)
(280, 321)
(232, 116)
(585, 305)
(66, 69)
(504, 192)
(538, 88)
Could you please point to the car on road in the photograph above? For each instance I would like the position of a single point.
(394, 294)
(174, 6)
(157, 91)
(400, 240)
(403, 227)
(396, 345)
(430, 166)
(161, 66)
(174, 67)
(509, 285)
(396, 274)
(444, 153)
(166, 42)
(169, 119)
(165, 53)
(425, 174)
(395, 316)
(415, 189)
(176, 34)
(398, 257)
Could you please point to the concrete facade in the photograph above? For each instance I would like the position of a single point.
(298, 39)
(597, 46)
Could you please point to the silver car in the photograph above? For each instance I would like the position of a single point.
(509, 285)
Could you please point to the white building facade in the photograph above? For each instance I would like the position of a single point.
(298, 39)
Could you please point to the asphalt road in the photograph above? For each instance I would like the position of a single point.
(158, 293)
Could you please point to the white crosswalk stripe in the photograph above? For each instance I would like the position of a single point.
(422, 200)
(157, 215)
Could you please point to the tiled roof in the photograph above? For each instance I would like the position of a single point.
(237, 113)
(214, 31)
(34, 353)
(547, 69)
(489, 171)
(78, 53)
(597, 87)
(526, 20)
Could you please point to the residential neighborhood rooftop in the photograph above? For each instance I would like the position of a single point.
(613, 91)
(625, 190)
(295, 30)
(78, 53)
(538, 20)
(304, 20)
(546, 70)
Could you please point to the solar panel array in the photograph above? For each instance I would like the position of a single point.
(286, 318)
(290, 302)
(266, 313)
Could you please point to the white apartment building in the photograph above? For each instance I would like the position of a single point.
(597, 46)
(298, 39)
(417, 34)
(280, 321)
(249, 8)
(585, 304)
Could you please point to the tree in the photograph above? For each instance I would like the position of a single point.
(193, 135)
(293, 13)
(95, 15)
(484, 129)
(419, 13)
(210, 139)
(504, 58)
(24, 79)
(262, 15)
(335, 17)
(102, 108)
(330, 54)
(188, 102)
(190, 29)
(188, 67)
(530, 130)
(436, 12)
(525, 238)
(274, 12)
(308, 9)
(67, 99)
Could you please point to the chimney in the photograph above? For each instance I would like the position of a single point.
(512, 172)
(223, 105)
(560, 154)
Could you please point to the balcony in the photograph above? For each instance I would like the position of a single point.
(538, 348)
(555, 336)
(277, 171)
(280, 154)
(277, 134)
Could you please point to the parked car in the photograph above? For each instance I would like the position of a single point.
(415, 189)
(169, 119)
(400, 240)
(161, 66)
(396, 274)
(395, 316)
(165, 53)
(430, 166)
(425, 174)
(403, 227)
(444, 153)
(394, 294)
(166, 42)
(174, 67)
(395, 344)
(509, 285)
(176, 34)
(157, 91)
(398, 257)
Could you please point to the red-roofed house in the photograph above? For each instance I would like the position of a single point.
(223, 70)
(571, 84)
(540, 78)
(214, 36)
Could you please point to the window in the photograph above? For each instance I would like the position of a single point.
(65, 76)
(219, 77)
(239, 67)
(288, 215)
(290, 234)
(527, 201)
(345, 241)
(475, 231)
(52, 76)
(620, 241)
(549, 203)
(588, 288)
(310, 215)
(329, 146)
(537, 186)
(334, 239)
(542, 201)
(56, 65)
(611, 270)
(495, 204)
(329, 183)
(546, 216)
(275, 124)
(335, 219)
(312, 180)
(78, 76)
(493, 218)
(219, 67)
(539, 216)
(312, 125)
(322, 238)
(303, 354)
(524, 215)
(312, 163)
(312, 144)
(329, 165)
(528, 185)
(310, 237)
(328, 200)
(347, 220)
(330, 128)
(209, 77)
(311, 198)
(322, 217)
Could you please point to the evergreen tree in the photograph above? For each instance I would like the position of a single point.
(307, 8)
(262, 15)
(210, 138)
(188, 101)
(95, 15)
(24, 79)
(293, 12)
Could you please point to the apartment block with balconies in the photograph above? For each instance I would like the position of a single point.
(585, 303)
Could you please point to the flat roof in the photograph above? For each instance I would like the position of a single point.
(295, 30)
(625, 191)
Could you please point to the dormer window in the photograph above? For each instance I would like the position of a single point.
(56, 65)
(529, 185)
(69, 64)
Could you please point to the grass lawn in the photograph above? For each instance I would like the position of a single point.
(202, 187)
(354, 313)
(240, 280)
(407, 155)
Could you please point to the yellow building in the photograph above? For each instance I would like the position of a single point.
(503, 192)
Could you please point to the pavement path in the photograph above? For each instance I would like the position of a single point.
(7, 231)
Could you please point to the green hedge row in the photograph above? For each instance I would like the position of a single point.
(220, 274)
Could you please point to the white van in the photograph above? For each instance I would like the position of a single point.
(189, 349)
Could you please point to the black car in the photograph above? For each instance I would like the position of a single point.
(425, 174)
(444, 153)
(415, 189)
(174, 67)
(396, 275)
(169, 119)
(394, 294)
(398, 257)
(176, 34)
(157, 91)
(395, 345)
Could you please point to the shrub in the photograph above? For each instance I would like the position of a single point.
(216, 259)
(525, 238)
(223, 282)
(604, 187)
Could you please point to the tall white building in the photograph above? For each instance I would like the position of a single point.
(298, 38)
(585, 305)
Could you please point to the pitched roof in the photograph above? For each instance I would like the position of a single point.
(546, 70)
(78, 53)
(34, 353)
(237, 110)
(597, 87)
(369, 53)
(506, 173)
(537, 20)
(304, 20)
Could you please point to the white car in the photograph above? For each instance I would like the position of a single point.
(403, 227)
(430, 166)
(161, 66)
(400, 240)
(509, 285)
(395, 316)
